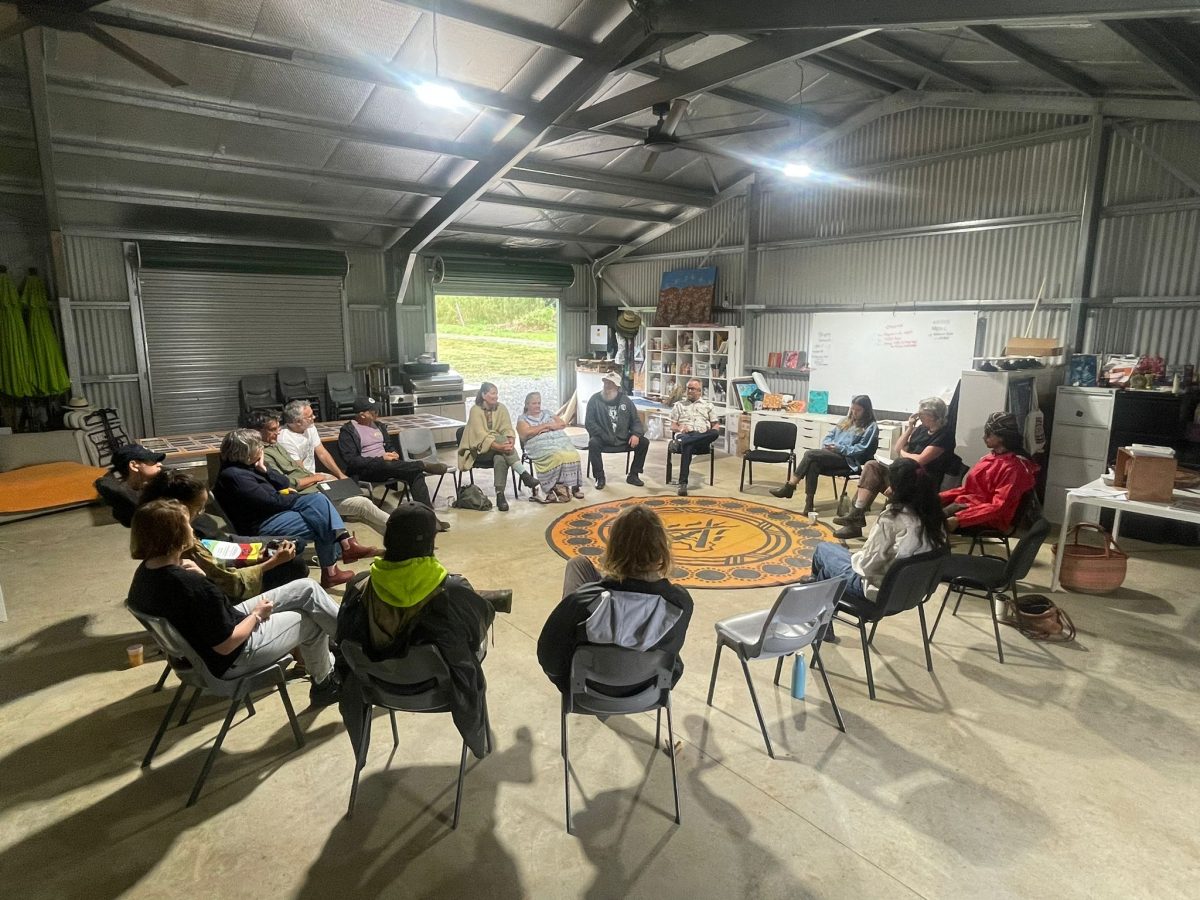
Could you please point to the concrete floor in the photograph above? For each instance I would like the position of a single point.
(1067, 772)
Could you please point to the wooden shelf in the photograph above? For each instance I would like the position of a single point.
(767, 370)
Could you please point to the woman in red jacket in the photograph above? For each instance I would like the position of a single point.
(992, 491)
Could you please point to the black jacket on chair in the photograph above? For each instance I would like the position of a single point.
(250, 497)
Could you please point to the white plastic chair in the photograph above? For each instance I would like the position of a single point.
(798, 619)
(418, 444)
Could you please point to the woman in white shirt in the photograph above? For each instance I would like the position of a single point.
(912, 523)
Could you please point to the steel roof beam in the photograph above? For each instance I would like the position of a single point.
(513, 26)
(1043, 62)
(250, 115)
(576, 209)
(723, 17)
(875, 77)
(378, 72)
(653, 52)
(712, 73)
(532, 171)
(1157, 43)
(598, 240)
(889, 44)
(572, 90)
(1118, 107)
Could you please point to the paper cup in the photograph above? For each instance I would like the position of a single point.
(135, 653)
(813, 518)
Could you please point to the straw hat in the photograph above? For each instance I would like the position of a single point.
(78, 403)
(628, 323)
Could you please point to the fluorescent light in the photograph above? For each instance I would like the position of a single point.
(797, 170)
(432, 94)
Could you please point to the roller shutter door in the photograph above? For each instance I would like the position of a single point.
(205, 330)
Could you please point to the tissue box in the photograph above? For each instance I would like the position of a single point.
(1147, 478)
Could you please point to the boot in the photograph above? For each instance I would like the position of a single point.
(785, 490)
(436, 468)
(332, 576)
(501, 600)
(529, 481)
(501, 503)
(353, 551)
(856, 517)
(847, 532)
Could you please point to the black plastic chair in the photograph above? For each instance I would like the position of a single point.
(709, 451)
(602, 678)
(986, 576)
(628, 456)
(293, 385)
(418, 682)
(997, 536)
(342, 392)
(192, 672)
(773, 442)
(908, 583)
(258, 393)
(797, 620)
(483, 461)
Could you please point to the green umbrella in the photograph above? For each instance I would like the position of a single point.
(16, 359)
(49, 372)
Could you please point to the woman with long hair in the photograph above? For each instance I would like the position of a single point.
(489, 434)
(912, 523)
(849, 444)
(646, 611)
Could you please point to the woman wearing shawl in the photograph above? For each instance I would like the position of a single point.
(555, 459)
(489, 432)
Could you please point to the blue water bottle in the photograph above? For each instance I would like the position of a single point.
(799, 674)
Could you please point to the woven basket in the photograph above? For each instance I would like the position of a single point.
(1092, 570)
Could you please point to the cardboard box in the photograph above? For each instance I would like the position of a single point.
(1020, 346)
(1147, 478)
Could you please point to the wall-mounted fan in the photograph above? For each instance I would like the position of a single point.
(75, 15)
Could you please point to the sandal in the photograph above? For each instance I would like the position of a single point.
(562, 493)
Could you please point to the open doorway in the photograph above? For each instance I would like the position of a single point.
(510, 341)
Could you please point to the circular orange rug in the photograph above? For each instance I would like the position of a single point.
(717, 542)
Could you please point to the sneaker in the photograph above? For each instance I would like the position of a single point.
(501, 503)
(635, 481)
(785, 491)
(847, 532)
(683, 489)
(600, 482)
(327, 692)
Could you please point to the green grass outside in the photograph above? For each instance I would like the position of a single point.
(486, 361)
(451, 328)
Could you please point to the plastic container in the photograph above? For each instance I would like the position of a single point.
(799, 676)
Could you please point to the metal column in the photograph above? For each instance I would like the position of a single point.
(1089, 222)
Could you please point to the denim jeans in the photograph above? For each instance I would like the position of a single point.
(311, 516)
(833, 561)
(304, 615)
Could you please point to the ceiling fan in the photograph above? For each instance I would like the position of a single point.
(74, 15)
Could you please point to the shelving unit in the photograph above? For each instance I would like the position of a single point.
(712, 355)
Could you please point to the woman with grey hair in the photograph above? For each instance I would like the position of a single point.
(260, 501)
(925, 440)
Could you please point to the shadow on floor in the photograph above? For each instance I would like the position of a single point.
(58, 653)
(105, 850)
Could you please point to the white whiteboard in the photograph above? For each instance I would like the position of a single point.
(896, 358)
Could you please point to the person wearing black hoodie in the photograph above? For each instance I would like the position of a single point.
(613, 426)
(628, 603)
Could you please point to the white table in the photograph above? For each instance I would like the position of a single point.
(1097, 493)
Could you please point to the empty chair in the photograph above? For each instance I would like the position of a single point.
(293, 385)
(419, 444)
(908, 583)
(483, 461)
(772, 442)
(342, 392)
(418, 682)
(258, 392)
(986, 576)
(616, 681)
(192, 672)
(797, 620)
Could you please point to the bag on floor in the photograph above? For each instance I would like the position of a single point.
(845, 504)
(471, 496)
(1087, 569)
(1036, 617)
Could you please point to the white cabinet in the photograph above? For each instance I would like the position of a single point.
(811, 428)
(1078, 443)
(678, 354)
(983, 393)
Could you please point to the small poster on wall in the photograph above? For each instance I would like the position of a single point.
(685, 297)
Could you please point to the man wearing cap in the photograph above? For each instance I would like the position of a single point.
(614, 426)
(409, 598)
(992, 492)
(132, 467)
(372, 454)
(695, 428)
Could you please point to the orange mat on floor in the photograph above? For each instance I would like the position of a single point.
(716, 542)
(47, 486)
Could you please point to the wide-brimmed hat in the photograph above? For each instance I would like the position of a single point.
(628, 323)
(78, 403)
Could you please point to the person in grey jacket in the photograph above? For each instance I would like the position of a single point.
(613, 425)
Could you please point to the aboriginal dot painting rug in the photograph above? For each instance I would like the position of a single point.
(717, 542)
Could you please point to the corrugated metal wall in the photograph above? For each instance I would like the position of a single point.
(22, 247)
(576, 312)
(636, 283)
(370, 313)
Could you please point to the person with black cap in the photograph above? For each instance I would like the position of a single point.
(409, 598)
(132, 467)
(371, 453)
(614, 426)
(992, 491)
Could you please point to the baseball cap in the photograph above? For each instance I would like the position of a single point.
(123, 456)
(362, 404)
